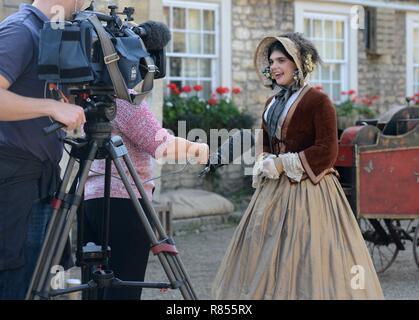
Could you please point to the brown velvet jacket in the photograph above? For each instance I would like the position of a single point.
(309, 130)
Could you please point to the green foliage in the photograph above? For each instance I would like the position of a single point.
(356, 106)
(203, 114)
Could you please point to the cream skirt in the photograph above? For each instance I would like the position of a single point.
(297, 241)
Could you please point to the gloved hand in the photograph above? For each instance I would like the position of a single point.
(272, 167)
(258, 167)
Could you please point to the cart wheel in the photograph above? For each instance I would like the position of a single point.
(382, 250)
(416, 245)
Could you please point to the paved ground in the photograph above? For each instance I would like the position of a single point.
(202, 253)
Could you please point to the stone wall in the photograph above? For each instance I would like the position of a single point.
(384, 73)
(251, 21)
(226, 180)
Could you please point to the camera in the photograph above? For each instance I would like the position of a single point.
(98, 57)
(73, 52)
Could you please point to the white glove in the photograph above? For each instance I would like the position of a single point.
(269, 168)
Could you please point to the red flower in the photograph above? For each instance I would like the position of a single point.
(349, 93)
(222, 90)
(186, 89)
(176, 91)
(172, 86)
(236, 90)
(213, 101)
(197, 88)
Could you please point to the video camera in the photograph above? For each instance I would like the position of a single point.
(97, 55)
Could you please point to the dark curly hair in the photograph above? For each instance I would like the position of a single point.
(304, 46)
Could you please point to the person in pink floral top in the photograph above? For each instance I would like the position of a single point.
(145, 139)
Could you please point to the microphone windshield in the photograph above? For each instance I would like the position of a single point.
(232, 149)
(158, 35)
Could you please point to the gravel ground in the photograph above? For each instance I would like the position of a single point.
(201, 254)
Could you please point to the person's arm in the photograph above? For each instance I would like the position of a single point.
(141, 127)
(322, 155)
(181, 149)
(14, 108)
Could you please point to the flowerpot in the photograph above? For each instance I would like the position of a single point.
(344, 122)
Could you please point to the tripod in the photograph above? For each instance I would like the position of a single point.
(100, 144)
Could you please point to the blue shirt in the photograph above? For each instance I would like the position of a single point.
(19, 47)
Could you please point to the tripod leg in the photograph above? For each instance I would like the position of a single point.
(58, 238)
(52, 227)
(156, 222)
(172, 265)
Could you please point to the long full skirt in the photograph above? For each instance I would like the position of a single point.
(297, 241)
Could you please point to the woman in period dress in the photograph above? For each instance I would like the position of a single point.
(298, 239)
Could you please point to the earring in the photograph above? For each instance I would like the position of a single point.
(296, 76)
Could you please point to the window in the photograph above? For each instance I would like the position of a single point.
(329, 36)
(327, 26)
(412, 53)
(193, 54)
(415, 43)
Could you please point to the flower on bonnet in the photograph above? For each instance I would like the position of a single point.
(267, 73)
(308, 64)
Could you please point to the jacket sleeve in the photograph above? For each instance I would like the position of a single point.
(321, 156)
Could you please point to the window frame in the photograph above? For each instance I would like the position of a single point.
(343, 63)
(412, 21)
(221, 59)
(341, 12)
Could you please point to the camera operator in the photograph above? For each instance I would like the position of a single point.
(145, 139)
(29, 160)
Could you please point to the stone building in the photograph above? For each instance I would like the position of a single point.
(370, 46)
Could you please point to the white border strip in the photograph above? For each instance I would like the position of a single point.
(378, 4)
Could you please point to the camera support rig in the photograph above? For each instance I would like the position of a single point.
(100, 144)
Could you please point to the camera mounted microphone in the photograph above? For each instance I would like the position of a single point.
(231, 150)
(156, 35)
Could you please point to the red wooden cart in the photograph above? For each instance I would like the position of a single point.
(378, 162)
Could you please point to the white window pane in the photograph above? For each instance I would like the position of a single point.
(319, 46)
(336, 72)
(329, 54)
(307, 31)
(166, 13)
(340, 51)
(328, 27)
(336, 92)
(179, 18)
(205, 66)
(416, 36)
(175, 67)
(190, 68)
(209, 44)
(209, 20)
(318, 29)
(194, 19)
(416, 55)
(316, 75)
(327, 88)
(194, 42)
(179, 42)
(417, 80)
(339, 30)
(207, 88)
(325, 73)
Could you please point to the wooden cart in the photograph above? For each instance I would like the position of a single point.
(378, 162)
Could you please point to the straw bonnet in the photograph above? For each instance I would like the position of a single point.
(261, 59)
